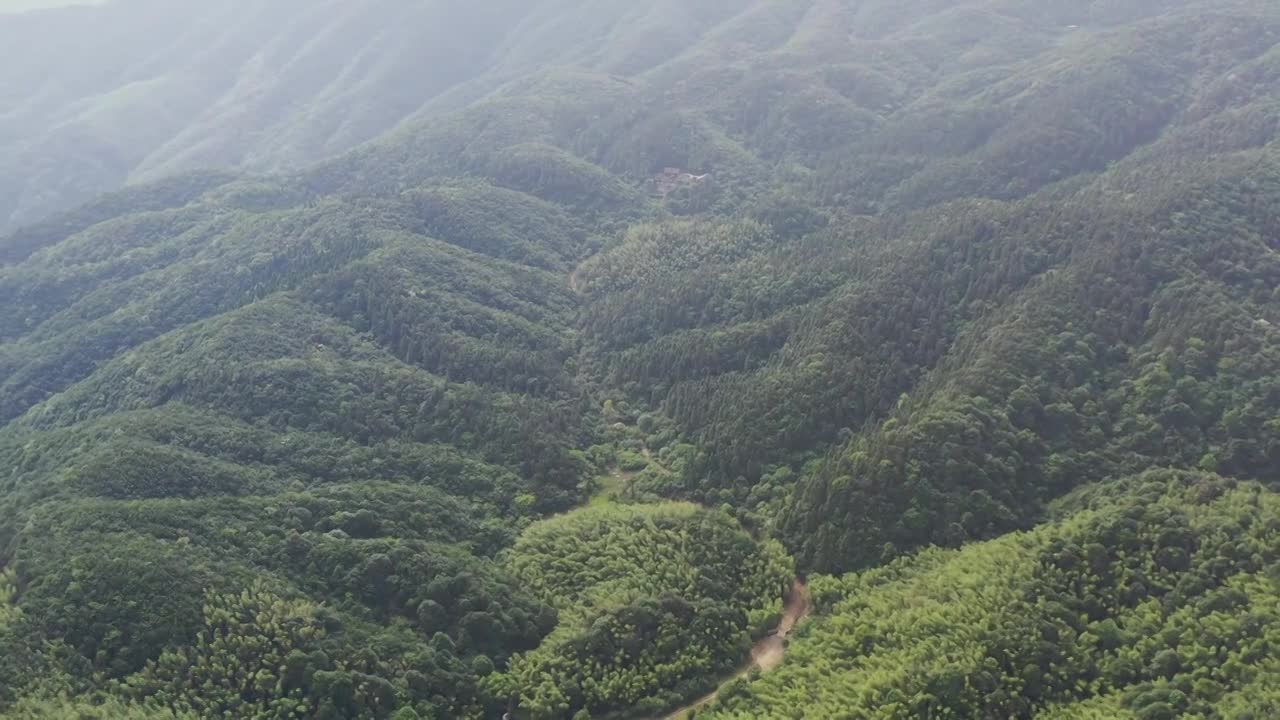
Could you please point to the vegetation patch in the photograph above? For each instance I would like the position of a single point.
(655, 602)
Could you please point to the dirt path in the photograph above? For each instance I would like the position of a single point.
(617, 483)
(766, 654)
(575, 277)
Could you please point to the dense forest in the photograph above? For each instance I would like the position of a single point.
(394, 376)
(1153, 596)
(654, 601)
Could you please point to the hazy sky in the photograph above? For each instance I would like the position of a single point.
(12, 6)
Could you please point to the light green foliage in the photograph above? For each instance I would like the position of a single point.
(585, 558)
(262, 656)
(653, 600)
(242, 663)
(1153, 592)
(652, 254)
(630, 461)
(91, 709)
(1109, 707)
(898, 626)
(8, 591)
(1259, 697)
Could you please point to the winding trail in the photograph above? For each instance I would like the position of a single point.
(766, 654)
(575, 277)
(770, 650)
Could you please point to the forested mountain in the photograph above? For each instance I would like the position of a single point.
(99, 95)
(972, 306)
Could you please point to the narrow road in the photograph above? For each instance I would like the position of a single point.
(766, 654)
(575, 276)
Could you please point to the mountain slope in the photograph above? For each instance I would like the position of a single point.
(192, 85)
(979, 356)
(267, 86)
(230, 84)
(1149, 598)
(331, 397)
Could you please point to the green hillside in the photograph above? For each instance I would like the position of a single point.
(654, 602)
(396, 385)
(1148, 598)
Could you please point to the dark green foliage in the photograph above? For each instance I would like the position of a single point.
(502, 223)
(134, 470)
(974, 359)
(312, 400)
(117, 607)
(1078, 380)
